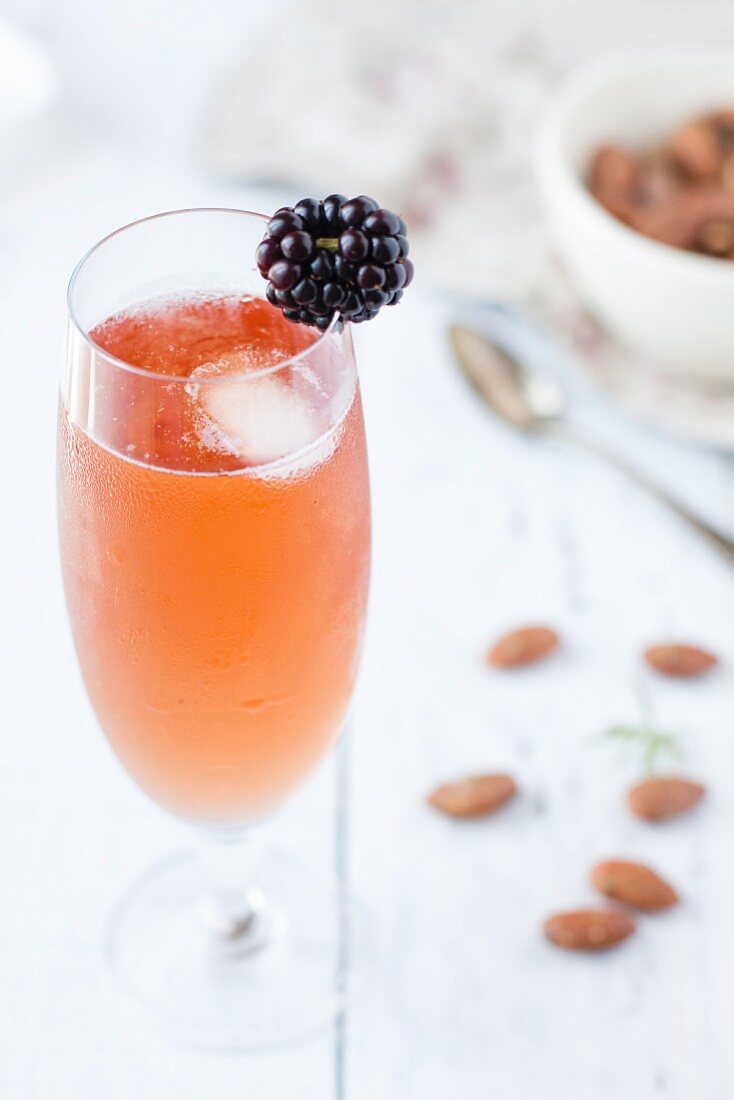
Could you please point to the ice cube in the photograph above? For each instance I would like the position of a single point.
(239, 361)
(259, 419)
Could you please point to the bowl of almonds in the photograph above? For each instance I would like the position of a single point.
(635, 166)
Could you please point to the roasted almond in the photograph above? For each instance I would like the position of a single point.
(677, 219)
(634, 884)
(662, 797)
(523, 647)
(613, 166)
(716, 237)
(614, 180)
(696, 148)
(588, 929)
(677, 659)
(475, 796)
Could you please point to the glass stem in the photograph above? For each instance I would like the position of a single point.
(230, 902)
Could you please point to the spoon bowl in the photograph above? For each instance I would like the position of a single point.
(525, 398)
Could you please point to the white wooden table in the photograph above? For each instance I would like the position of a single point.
(475, 531)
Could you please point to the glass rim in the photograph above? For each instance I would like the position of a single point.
(172, 378)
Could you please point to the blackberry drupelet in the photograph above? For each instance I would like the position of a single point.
(340, 256)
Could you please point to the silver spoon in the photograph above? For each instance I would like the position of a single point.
(535, 403)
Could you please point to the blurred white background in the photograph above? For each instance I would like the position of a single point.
(476, 531)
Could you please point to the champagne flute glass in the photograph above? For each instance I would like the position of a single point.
(214, 522)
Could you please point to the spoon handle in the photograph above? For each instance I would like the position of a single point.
(569, 434)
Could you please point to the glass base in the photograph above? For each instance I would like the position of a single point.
(282, 972)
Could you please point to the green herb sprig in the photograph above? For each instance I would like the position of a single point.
(652, 743)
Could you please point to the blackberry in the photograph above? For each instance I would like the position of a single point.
(335, 256)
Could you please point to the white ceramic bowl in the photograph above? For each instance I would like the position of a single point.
(675, 308)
